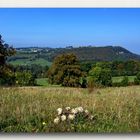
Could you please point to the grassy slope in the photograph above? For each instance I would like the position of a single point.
(119, 79)
(40, 61)
(24, 109)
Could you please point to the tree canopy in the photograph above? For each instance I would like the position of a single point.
(66, 71)
(5, 51)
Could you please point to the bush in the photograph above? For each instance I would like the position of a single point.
(101, 76)
(137, 79)
(125, 81)
(24, 79)
(83, 82)
(7, 77)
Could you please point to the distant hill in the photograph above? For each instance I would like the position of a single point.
(108, 53)
(41, 55)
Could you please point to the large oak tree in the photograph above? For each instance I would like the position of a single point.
(66, 71)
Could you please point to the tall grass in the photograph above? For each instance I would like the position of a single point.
(24, 109)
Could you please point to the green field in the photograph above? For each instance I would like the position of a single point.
(33, 109)
(44, 81)
(39, 61)
(119, 79)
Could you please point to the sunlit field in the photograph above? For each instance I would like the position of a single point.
(33, 109)
(119, 79)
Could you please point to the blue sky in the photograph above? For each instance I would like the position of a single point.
(60, 27)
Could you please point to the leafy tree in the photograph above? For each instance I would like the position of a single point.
(37, 70)
(101, 76)
(125, 81)
(24, 79)
(65, 70)
(86, 66)
(5, 51)
(5, 72)
(137, 79)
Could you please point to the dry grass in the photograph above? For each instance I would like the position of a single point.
(24, 109)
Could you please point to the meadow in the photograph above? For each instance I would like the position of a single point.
(39, 61)
(33, 109)
(118, 79)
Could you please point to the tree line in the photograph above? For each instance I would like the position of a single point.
(66, 70)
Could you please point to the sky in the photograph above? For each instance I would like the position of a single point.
(61, 27)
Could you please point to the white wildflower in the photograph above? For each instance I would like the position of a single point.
(56, 120)
(74, 111)
(77, 109)
(44, 123)
(63, 117)
(80, 109)
(91, 117)
(71, 116)
(86, 111)
(67, 108)
(59, 110)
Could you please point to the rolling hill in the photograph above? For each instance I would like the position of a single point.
(44, 56)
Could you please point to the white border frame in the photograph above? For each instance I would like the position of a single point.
(70, 3)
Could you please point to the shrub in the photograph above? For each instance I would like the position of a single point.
(101, 76)
(24, 79)
(137, 79)
(7, 77)
(125, 81)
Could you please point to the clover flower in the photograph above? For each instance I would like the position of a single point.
(63, 117)
(56, 120)
(71, 116)
(59, 110)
